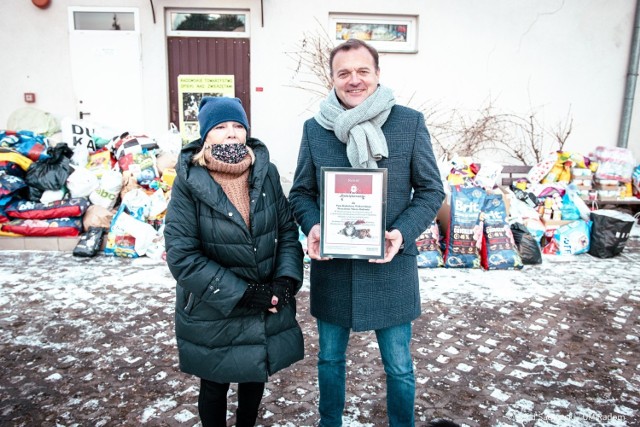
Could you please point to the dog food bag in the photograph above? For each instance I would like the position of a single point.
(499, 251)
(429, 253)
(100, 162)
(464, 235)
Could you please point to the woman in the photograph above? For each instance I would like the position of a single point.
(232, 246)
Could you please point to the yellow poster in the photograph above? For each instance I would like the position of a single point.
(191, 89)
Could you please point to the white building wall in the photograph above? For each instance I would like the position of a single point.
(557, 58)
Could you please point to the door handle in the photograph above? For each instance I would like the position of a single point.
(82, 114)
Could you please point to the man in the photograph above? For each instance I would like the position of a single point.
(360, 126)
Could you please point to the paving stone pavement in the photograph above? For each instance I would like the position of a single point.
(89, 342)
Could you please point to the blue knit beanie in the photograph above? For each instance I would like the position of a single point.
(215, 110)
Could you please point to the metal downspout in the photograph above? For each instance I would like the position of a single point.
(630, 88)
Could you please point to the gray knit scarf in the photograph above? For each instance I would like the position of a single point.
(359, 127)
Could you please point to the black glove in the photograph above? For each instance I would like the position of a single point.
(257, 295)
(283, 288)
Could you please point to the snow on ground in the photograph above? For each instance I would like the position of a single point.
(489, 346)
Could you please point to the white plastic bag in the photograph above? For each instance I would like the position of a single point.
(489, 175)
(80, 158)
(50, 196)
(158, 204)
(82, 182)
(635, 230)
(106, 195)
(143, 233)
(171, 141)
(138, 203)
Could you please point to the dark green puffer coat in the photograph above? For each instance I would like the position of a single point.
(213, 256)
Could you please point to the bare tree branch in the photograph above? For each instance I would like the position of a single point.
(312, 62)
(512, 137)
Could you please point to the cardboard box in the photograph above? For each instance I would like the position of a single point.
(581, 172)
(601, 187)
(552, 224)
(609, 195)
(550, 227)
(584, 187)
(607, 185)
(583, 184)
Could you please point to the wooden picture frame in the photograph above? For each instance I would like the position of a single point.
(387, 33)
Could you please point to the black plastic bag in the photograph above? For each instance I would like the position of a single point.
(89, 243)
(50, 173)
(529, 249)
(525, 196)
(610, 231)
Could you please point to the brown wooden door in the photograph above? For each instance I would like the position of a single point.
(206, 55)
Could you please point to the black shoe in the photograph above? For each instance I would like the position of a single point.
(441, 422)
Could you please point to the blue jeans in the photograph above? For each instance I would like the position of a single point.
(394, 343)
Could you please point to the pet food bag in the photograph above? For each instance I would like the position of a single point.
(100, 162)
(464, 236)
(429, 253)
(141, 165)
(573, 238)
(128, 236)
(610, 231)
(89, 243)
(635, 180)
(499, 250)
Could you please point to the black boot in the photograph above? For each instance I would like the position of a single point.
(441, 422)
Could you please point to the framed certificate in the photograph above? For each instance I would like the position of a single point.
(353, 211)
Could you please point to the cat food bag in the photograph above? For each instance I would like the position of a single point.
(573, 238)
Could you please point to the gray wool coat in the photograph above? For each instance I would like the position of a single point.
(355, 293)
(213, 255)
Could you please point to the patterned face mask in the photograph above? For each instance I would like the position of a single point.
(229, 153)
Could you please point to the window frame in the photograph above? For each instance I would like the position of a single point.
(88, 9)
(226, 34)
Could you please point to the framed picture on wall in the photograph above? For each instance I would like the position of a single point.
(387, 33)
